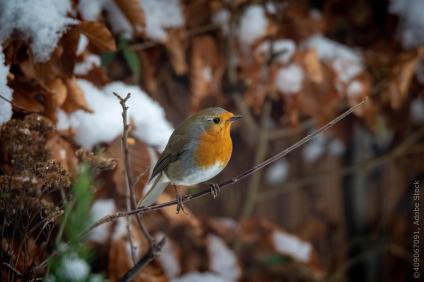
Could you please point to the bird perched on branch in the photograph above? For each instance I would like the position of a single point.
(197, 150)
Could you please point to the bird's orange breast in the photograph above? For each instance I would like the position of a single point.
(214, 148)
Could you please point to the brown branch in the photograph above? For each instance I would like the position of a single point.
(261, 150)
(232, 181)
(129, 180)
(154, 248)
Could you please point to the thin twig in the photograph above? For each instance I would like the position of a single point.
(154, 248)
(128, 174)
(145, 260)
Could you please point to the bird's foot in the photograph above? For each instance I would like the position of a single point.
(180, 206)
(215, 189)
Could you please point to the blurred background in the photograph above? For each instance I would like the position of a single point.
(343, 207)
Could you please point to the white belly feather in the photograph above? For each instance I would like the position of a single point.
(200, 175)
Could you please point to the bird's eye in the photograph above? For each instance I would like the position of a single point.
(216, 120)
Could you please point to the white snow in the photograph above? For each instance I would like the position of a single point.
(151, 125)
(41, 22)
(120, 229)
(277, 172)
(222, 259)
(412, 21)
(336, 147)
(207, 74)
(91, 9)
(85, 66)
(82, 44)
(5, 91)
(417, 110)
(292, 246)
(354, 89)
(285, 48)
(74, 268)
(99, 209)
(105, 124)
(321, 144)
(162, 14)
(200, 276)
(289, 79)
(344, 60)
(168, 258)
(222, 19)
(315, 148)
(253, 25)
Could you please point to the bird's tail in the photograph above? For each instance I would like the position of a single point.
(154, 188)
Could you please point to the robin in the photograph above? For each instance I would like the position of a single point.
(198, 149)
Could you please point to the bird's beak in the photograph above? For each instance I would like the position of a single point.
(234, 118)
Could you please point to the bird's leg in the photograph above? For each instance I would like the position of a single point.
(180, 206)
(215, 189)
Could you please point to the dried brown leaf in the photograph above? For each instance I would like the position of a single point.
(133, 12)
(207, 69)
(99, 36)
(176, 49)
(75, 99)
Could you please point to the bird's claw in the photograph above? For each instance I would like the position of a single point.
(180, 206)
(215, 189)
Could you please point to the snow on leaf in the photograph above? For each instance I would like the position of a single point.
(168, 258)
(99, 209)
(345, 61)
(222, 260)
(412, 21)
(289, 79)
(104, 124)
(5, 91)
(292, 246)
(253, 25)
(160, 15)
(43, 31)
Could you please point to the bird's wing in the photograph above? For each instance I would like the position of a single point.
(175, 148)
(154, 189)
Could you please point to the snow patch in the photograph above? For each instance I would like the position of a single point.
(253, 25)
(207, 74)
(74, 269)
(315, 148)
(412, 21)
(87, 65)
(105, 124)
(200, 276)
(354, 89)
(168, 258)
(417, 110)
(42, 22)
(222, 260)
(222, 19)
(344, 60)
(292, 246)
(277, 173)
(160, 15)
(5, 91)
(99, 209)
(289, 79)
(82, 44)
